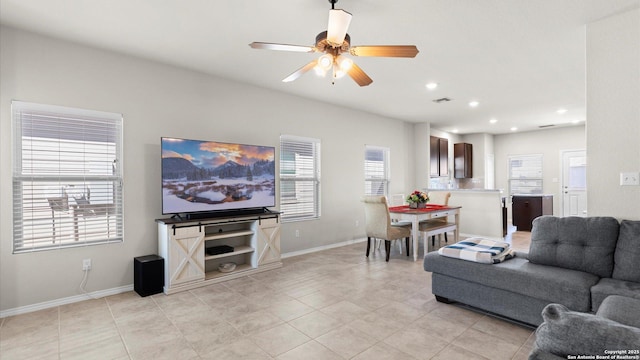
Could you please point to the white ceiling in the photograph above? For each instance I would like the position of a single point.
(521, 59)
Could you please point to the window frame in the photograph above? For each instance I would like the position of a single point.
(296, 207)
(67, 177)
(370, 176)
(534, 182)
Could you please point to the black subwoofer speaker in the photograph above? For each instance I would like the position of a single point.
(148, 274)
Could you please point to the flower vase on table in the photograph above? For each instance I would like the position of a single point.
(417, 200)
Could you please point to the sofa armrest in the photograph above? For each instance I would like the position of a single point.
(566, 332)
(536, 354)
(622, 309)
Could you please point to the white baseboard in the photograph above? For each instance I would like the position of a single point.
(350, 242)
(354, 241)
(323, 247)
(64, 301)
(122, 289)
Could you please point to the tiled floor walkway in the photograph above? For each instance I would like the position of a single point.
(334, 304)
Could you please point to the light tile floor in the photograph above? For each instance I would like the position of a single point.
(334, 304)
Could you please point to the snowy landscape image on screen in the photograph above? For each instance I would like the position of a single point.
(211, 176)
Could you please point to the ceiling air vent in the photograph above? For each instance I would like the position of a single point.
(546, 126)
(441, 100)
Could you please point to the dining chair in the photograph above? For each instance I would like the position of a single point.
(397, 200)
(378, 224)
(439, 198)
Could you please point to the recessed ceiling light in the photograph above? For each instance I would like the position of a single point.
(561, 111)
(514, 128)
(493, 121)
(474, 103)
(431, 85)
(575, 121)
(455, 131)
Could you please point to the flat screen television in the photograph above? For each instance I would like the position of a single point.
(208, 176)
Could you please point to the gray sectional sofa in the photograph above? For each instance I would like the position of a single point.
(573, 261)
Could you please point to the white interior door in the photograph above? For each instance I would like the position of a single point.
(574, 183)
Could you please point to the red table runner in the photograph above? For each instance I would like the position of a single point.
(406, 208)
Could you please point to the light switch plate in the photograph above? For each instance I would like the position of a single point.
(629, 178)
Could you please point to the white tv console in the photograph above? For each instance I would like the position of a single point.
(182, 243)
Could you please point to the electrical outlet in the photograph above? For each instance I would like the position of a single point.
(86, 264)
(629, 178)
(297, 233)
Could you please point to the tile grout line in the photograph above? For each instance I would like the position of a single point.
(126, 348)
(451, 343)
(173, 323)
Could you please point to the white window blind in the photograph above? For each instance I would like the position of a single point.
(67, 177)
(299, 178)
(525, 174)
(376, 170)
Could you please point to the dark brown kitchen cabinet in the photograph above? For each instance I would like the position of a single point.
(439, 157)
(528, 207)
(462, 160)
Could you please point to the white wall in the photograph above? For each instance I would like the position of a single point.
(160, 100)
(549, 143)
(482, 148)
(613, 112)
(422, 164)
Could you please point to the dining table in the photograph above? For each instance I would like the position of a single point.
(429, 211)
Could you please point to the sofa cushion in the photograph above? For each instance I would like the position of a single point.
(583, 244)
(608, 286)
(627, 254)
(566, 332)
(552, 284)
(622, 309)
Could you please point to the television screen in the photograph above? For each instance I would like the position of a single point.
(204, 176)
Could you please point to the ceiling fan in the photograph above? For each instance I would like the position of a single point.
(335, 43)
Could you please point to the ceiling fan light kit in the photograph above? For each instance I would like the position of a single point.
(339, 21)
(334, 43)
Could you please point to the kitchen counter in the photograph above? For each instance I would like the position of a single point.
(481, 213)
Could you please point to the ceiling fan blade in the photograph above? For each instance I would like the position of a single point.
(300, 71)
(359, 76)
(338, 24)
(385, 50)
(282, 47)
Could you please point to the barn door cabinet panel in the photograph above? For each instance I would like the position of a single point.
(268, 242)
(463, 160)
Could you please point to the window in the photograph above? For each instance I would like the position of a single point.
(299, 178)
(525, 174)
(67, 177)
(376, 170)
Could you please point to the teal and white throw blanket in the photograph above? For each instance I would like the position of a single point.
(479, 250)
